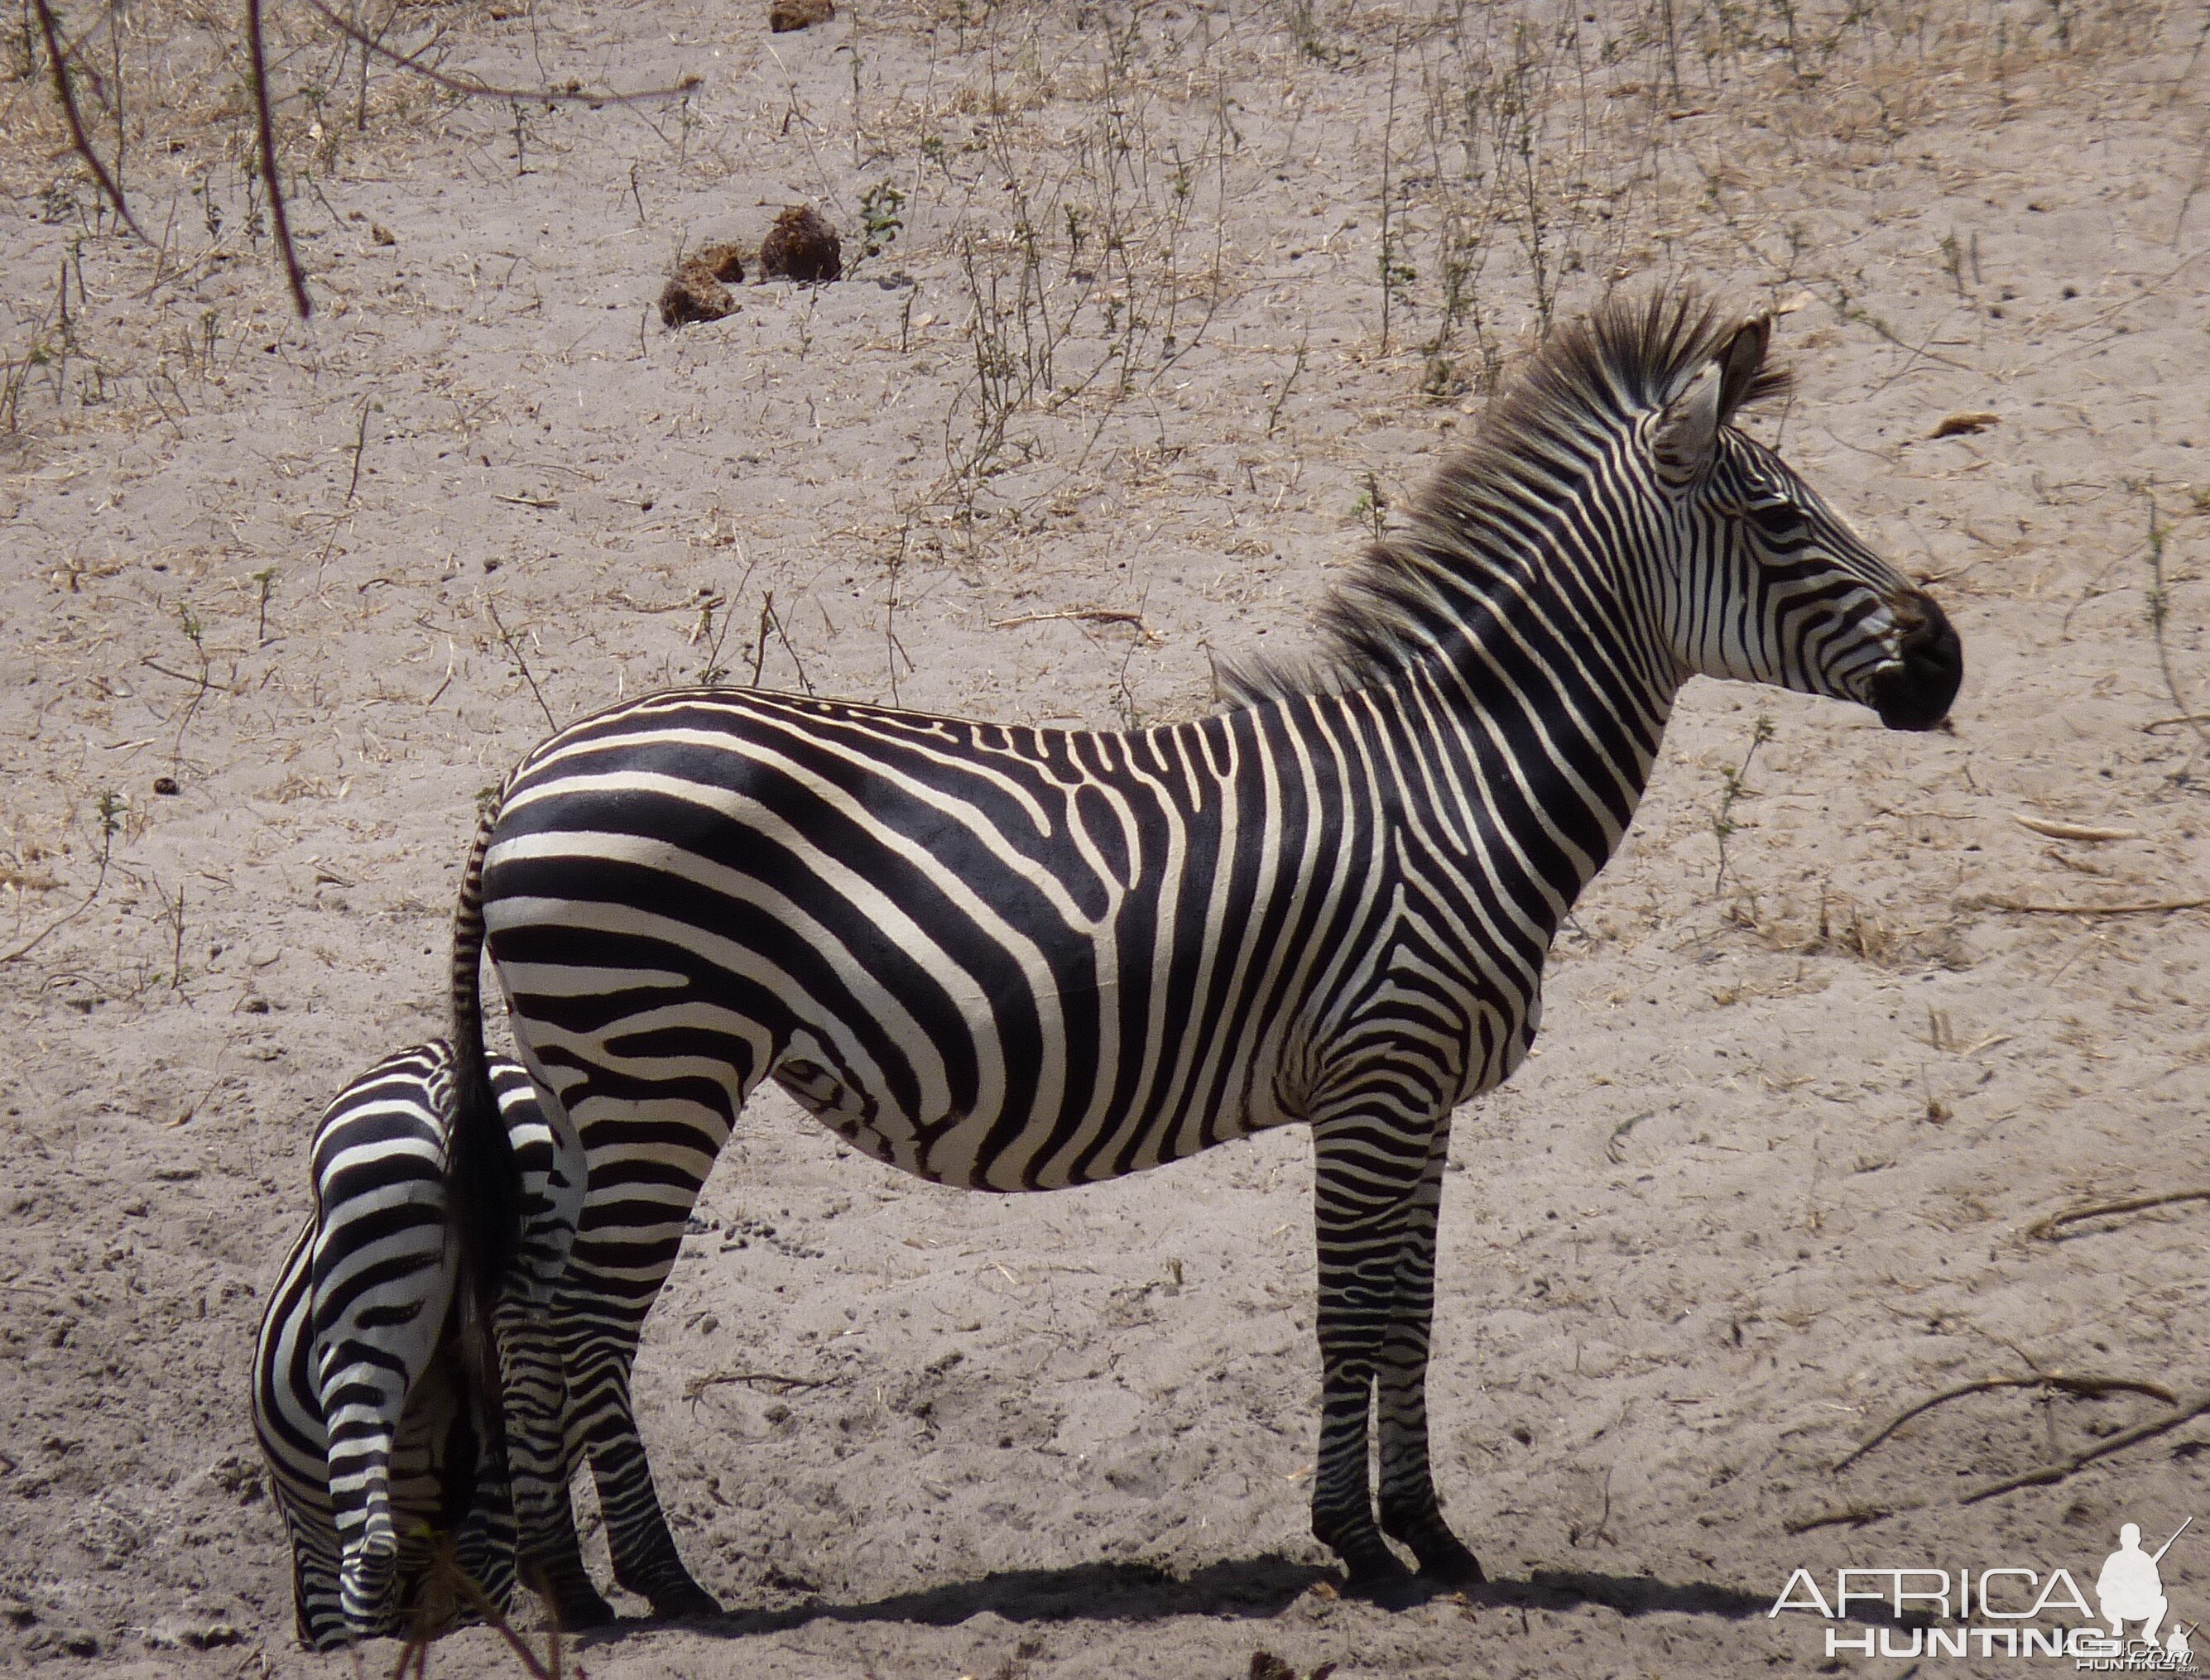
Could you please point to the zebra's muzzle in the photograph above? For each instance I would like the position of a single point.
(1915, 692)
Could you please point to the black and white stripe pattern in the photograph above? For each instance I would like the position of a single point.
(376, 1436)
(1017, 959)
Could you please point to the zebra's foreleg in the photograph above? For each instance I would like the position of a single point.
(1410, 1513)
(1367, 1174)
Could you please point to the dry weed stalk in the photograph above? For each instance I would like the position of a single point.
(252, 43)
(446, 1589)
(2046, 1227)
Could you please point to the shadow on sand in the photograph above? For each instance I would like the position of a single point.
(1256, 1587)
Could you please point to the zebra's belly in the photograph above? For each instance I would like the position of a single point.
(1038, 1150)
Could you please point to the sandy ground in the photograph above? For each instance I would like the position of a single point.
(1112, 403)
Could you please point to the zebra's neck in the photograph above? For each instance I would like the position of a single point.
(1528, 726)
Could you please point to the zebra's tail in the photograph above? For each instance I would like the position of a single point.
(483, 1183)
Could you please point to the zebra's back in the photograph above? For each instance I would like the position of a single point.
(1009, 959)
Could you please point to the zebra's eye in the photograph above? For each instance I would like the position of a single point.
(1777, 522)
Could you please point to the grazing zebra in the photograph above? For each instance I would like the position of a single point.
(1017, 959)
(362, 1400)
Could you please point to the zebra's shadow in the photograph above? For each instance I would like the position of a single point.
(1255, 1588)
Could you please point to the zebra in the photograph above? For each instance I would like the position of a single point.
(374, 1427)
(1019, 959)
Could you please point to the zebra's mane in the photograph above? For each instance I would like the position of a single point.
(1592, 378)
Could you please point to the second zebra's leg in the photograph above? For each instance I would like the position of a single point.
(549, 1557)
(1368, 1168)
(1410, 1513)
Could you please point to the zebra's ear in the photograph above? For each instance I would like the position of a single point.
(1687, 430)
(1741, 361)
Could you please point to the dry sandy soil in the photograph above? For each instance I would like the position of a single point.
(1180, 300)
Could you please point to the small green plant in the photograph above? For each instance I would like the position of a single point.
(1370, 506)
(879, 221)
(1733, 786)
(265, 580)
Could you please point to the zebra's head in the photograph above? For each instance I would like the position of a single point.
(1771, 584)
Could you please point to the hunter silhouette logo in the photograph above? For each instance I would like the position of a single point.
(2007, 1610)
(2130, 1589)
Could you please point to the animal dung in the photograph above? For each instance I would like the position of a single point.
(1963, 425)
(694, 294)
(785, 15)
(726, 263)
(801, 246)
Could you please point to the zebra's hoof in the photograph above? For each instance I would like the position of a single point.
(1372, 1572)
(578, 1609)
(574, 1603)
(1448, 1562)
(685, 1602)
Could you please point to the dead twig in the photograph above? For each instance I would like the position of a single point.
(512, 644)
(2159, 609)
(1088, 615)
(2046, 1228)
(359, 445)
(1856, 1515)
(781, 1383)
(79, 140)
(2090, 1387)
(278, 216)
(2144, 907)
(2042, 1476)
(573, 93)
(770, 619)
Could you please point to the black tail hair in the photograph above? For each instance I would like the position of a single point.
(483, 1184)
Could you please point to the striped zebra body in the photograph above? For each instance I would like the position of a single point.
(1015, 959)
(377, 1430)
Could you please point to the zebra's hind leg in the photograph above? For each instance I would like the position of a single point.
(1364, 1179)
(646, 1561)
(318, 1618)
(362, 1398)
(1410, 1513)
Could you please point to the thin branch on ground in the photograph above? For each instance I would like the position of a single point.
(2042, 1476)
(2090, 1387)
(776, 1380)
(1855, 1516)
(1088, 615)
(2143, 907)
(2046, 1228)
